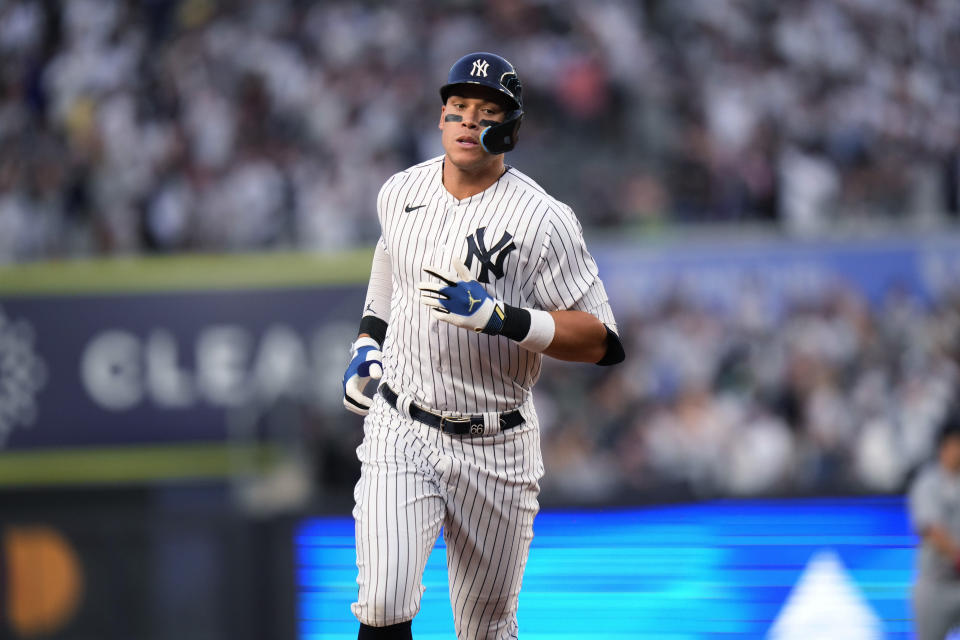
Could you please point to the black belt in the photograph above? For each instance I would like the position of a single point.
(462, 426)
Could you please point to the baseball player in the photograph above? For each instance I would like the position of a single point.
(477, 274)
(934, 502)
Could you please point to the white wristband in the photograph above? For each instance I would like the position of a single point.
(542, 328)
(365, 341)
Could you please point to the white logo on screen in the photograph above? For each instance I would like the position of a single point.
(222, 366)
(22, 375)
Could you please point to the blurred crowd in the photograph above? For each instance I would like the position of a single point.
(830, 394)
(131, 126)
(134, 126)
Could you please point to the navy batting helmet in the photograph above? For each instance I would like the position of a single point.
(492, 71)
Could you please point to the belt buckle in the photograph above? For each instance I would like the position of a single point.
(476, 428)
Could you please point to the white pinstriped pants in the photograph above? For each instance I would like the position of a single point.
(481, 490)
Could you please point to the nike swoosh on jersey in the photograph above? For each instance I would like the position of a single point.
(408, 208)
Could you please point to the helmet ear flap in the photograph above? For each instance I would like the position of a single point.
(502, 137)
(511, 82)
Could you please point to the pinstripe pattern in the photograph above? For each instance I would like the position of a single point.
(415, 479)
(443, 367)
(481, 491)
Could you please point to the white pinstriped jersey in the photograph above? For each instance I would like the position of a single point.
(522, 244)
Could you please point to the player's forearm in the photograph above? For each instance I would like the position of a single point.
(566, 335)
(578, 337)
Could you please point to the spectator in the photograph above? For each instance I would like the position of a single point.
(815, 114)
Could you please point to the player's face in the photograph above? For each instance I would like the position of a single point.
(465, 115)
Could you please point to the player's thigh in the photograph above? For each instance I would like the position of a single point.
(392, 550)
(488, 537)
(398, 514)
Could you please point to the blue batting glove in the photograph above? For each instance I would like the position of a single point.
(366, 364)
(461, 300)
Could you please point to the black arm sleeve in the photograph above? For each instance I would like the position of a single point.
(374, 327)
(615, 353)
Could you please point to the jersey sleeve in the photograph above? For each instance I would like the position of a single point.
(376, 304)
(383, 199)
(924, 503)
(380, 288)
(568, 278)
(596, 303)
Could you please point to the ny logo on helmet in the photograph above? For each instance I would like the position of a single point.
(477, 246)
(479, 67)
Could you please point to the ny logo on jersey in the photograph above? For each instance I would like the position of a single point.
(479, 67)
(477, 246)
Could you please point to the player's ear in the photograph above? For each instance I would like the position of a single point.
(443, 111)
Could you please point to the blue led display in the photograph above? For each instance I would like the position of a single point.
(711, 570)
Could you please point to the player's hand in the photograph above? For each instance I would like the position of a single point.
(461, 300)
(367, 364)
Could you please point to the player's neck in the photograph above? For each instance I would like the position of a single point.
(463, 183)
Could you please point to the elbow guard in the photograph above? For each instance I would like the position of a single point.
(615, 353)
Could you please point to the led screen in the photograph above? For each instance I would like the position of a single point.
(812, 568)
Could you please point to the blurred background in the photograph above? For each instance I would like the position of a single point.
(187, 215)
